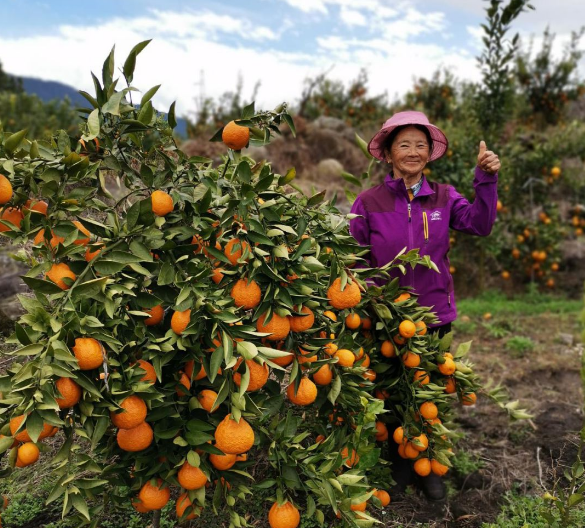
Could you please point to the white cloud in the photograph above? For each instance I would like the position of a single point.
(308, 6)
(351, 17)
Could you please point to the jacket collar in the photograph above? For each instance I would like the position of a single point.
(397, 186)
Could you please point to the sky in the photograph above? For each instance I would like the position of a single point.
(201, 48)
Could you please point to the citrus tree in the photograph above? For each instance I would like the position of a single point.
(209, 318)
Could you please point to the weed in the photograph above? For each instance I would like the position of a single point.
(496, 330)
(519, 345)
(466, 463)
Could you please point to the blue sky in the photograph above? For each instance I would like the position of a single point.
(201, 48)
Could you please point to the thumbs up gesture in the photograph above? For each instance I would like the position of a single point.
(487, 160)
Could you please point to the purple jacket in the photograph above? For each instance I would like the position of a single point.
(389, 222)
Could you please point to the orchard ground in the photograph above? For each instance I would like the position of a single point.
(501, 469)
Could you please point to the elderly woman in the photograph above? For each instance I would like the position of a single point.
(408, 211)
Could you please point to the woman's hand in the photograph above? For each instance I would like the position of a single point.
(487, 160)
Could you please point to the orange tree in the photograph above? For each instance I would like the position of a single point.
(203, 321)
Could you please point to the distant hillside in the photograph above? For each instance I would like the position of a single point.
(49, 90)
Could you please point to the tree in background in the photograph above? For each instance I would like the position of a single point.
(9, 83)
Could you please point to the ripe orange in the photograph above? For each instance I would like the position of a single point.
(383, 497)
(505, 275)
(421, 328)
(402, 450)
(353, 321)
(381, 432)
(359, 507)
(410, 359)
(516, 253)
(301, 323)
(323, 376)
(283, 361)
(421, 377)
(345, 358)
(138, 506)
(156, 315)
(162, 203)
(207, 398)
(422, 467)
(450, 386)
(366, 323)
(349, 460)
(284, 516)
(246, 294)
(348, 298)
(217, 275)
(399, 340)
(89, 353)
(38, 206)
(89, 254)
(234, 250)
(330, 349)
(469, 398)
(222, 462)
(12, 215)
(185, 381)
(70, 393)
(402, 297)
(183, 503)
(150, 373)
(235, 136)
(133, 413)
(55, 240)
(191, 477)
(398, 435)
(232, 437)
(369, 374)
(23, 435)
(305, 395)
(58, 272)
(258, 374)
(135, 439)
(5, 190)
(410, 451)
(84, 241)
(180, 321)
(202, 245)
(438, 469)
(330, 315)
(154, 496)
(428, 410)
(27, 454)
(387, 349)
(447, 368)
(278, 327)
(424, 441)
(407, 329)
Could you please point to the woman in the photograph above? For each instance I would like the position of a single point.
(407, 211)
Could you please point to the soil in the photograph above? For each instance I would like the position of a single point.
(529, 455)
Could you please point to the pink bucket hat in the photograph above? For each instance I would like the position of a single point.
(410, 117)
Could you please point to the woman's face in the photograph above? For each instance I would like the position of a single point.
(409, 152)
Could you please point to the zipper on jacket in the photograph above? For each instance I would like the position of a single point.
(449, 298)
(410, 241)
(409, 208)
(425, 226)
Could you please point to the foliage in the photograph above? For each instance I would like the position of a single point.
(466, 463)
(9, 83)
(519, 345)
(435, 97)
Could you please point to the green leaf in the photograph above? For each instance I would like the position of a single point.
(247, 350)
(93, 125)
(289, 121)
(335, 390)
(171, 116)
(41, 286)
(316, 198)
(108, 69)
(130, 62)
(89, 288)
(288, 177)
(167, 274)
(146, 113)
(112, 106)
(6, 443)
(80, 505)
(12, 142)
(361, 143)
(34, 425)
(108, 267)
(89, 98)
(149, 95)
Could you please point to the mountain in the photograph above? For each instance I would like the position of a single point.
(49, 90)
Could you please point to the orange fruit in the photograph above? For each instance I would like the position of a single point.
(306, 393)
(258, 374)
(283, 361)
(185, 381)
(207, 398)
(353, 321)
(235, 136)
(410, 359)
(381, 431)
(359, 507)
(301, 323)
(398, 435)
(450, 386)
(27, 454)
(366, 323)
(382, 394)
(133, 413)
(349, 460)
(505, 275)
(383, 497)
(191, 477)
(421, 328)
(12, 215)
(35, 205)
(5, 190)
(399, 340)
(429, 410)
(202, 245)
(217, 275)
(150, 373)
(138, 506)
(516, 253)
(55, 240)
(89, 254)
(81, 241)
(469, 399)
(370, 375)
(222, 462)
(447, 368)
(330, 349)
(154, 496)
(387, 349)
(23, 436)
(438, 469)
(410, 451)
(348, 298)
(180, 321)
(330, 315)
(422, 377)
(284, 516)
(136, 439)
(156, 315)
(278, 327)
(70, 393)
(422, 438)
(407, 329)
(246, 294)
(58, 272)
(402, 297)
(232, 437)
(89, 353)
(234, 250)
(162, 203)
(320, 439)
(183, 503)
(422, 467)
(323, 376)
(345, 358)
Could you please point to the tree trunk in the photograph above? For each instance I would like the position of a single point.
(156, 519)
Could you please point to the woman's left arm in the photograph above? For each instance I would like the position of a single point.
(478, 218)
